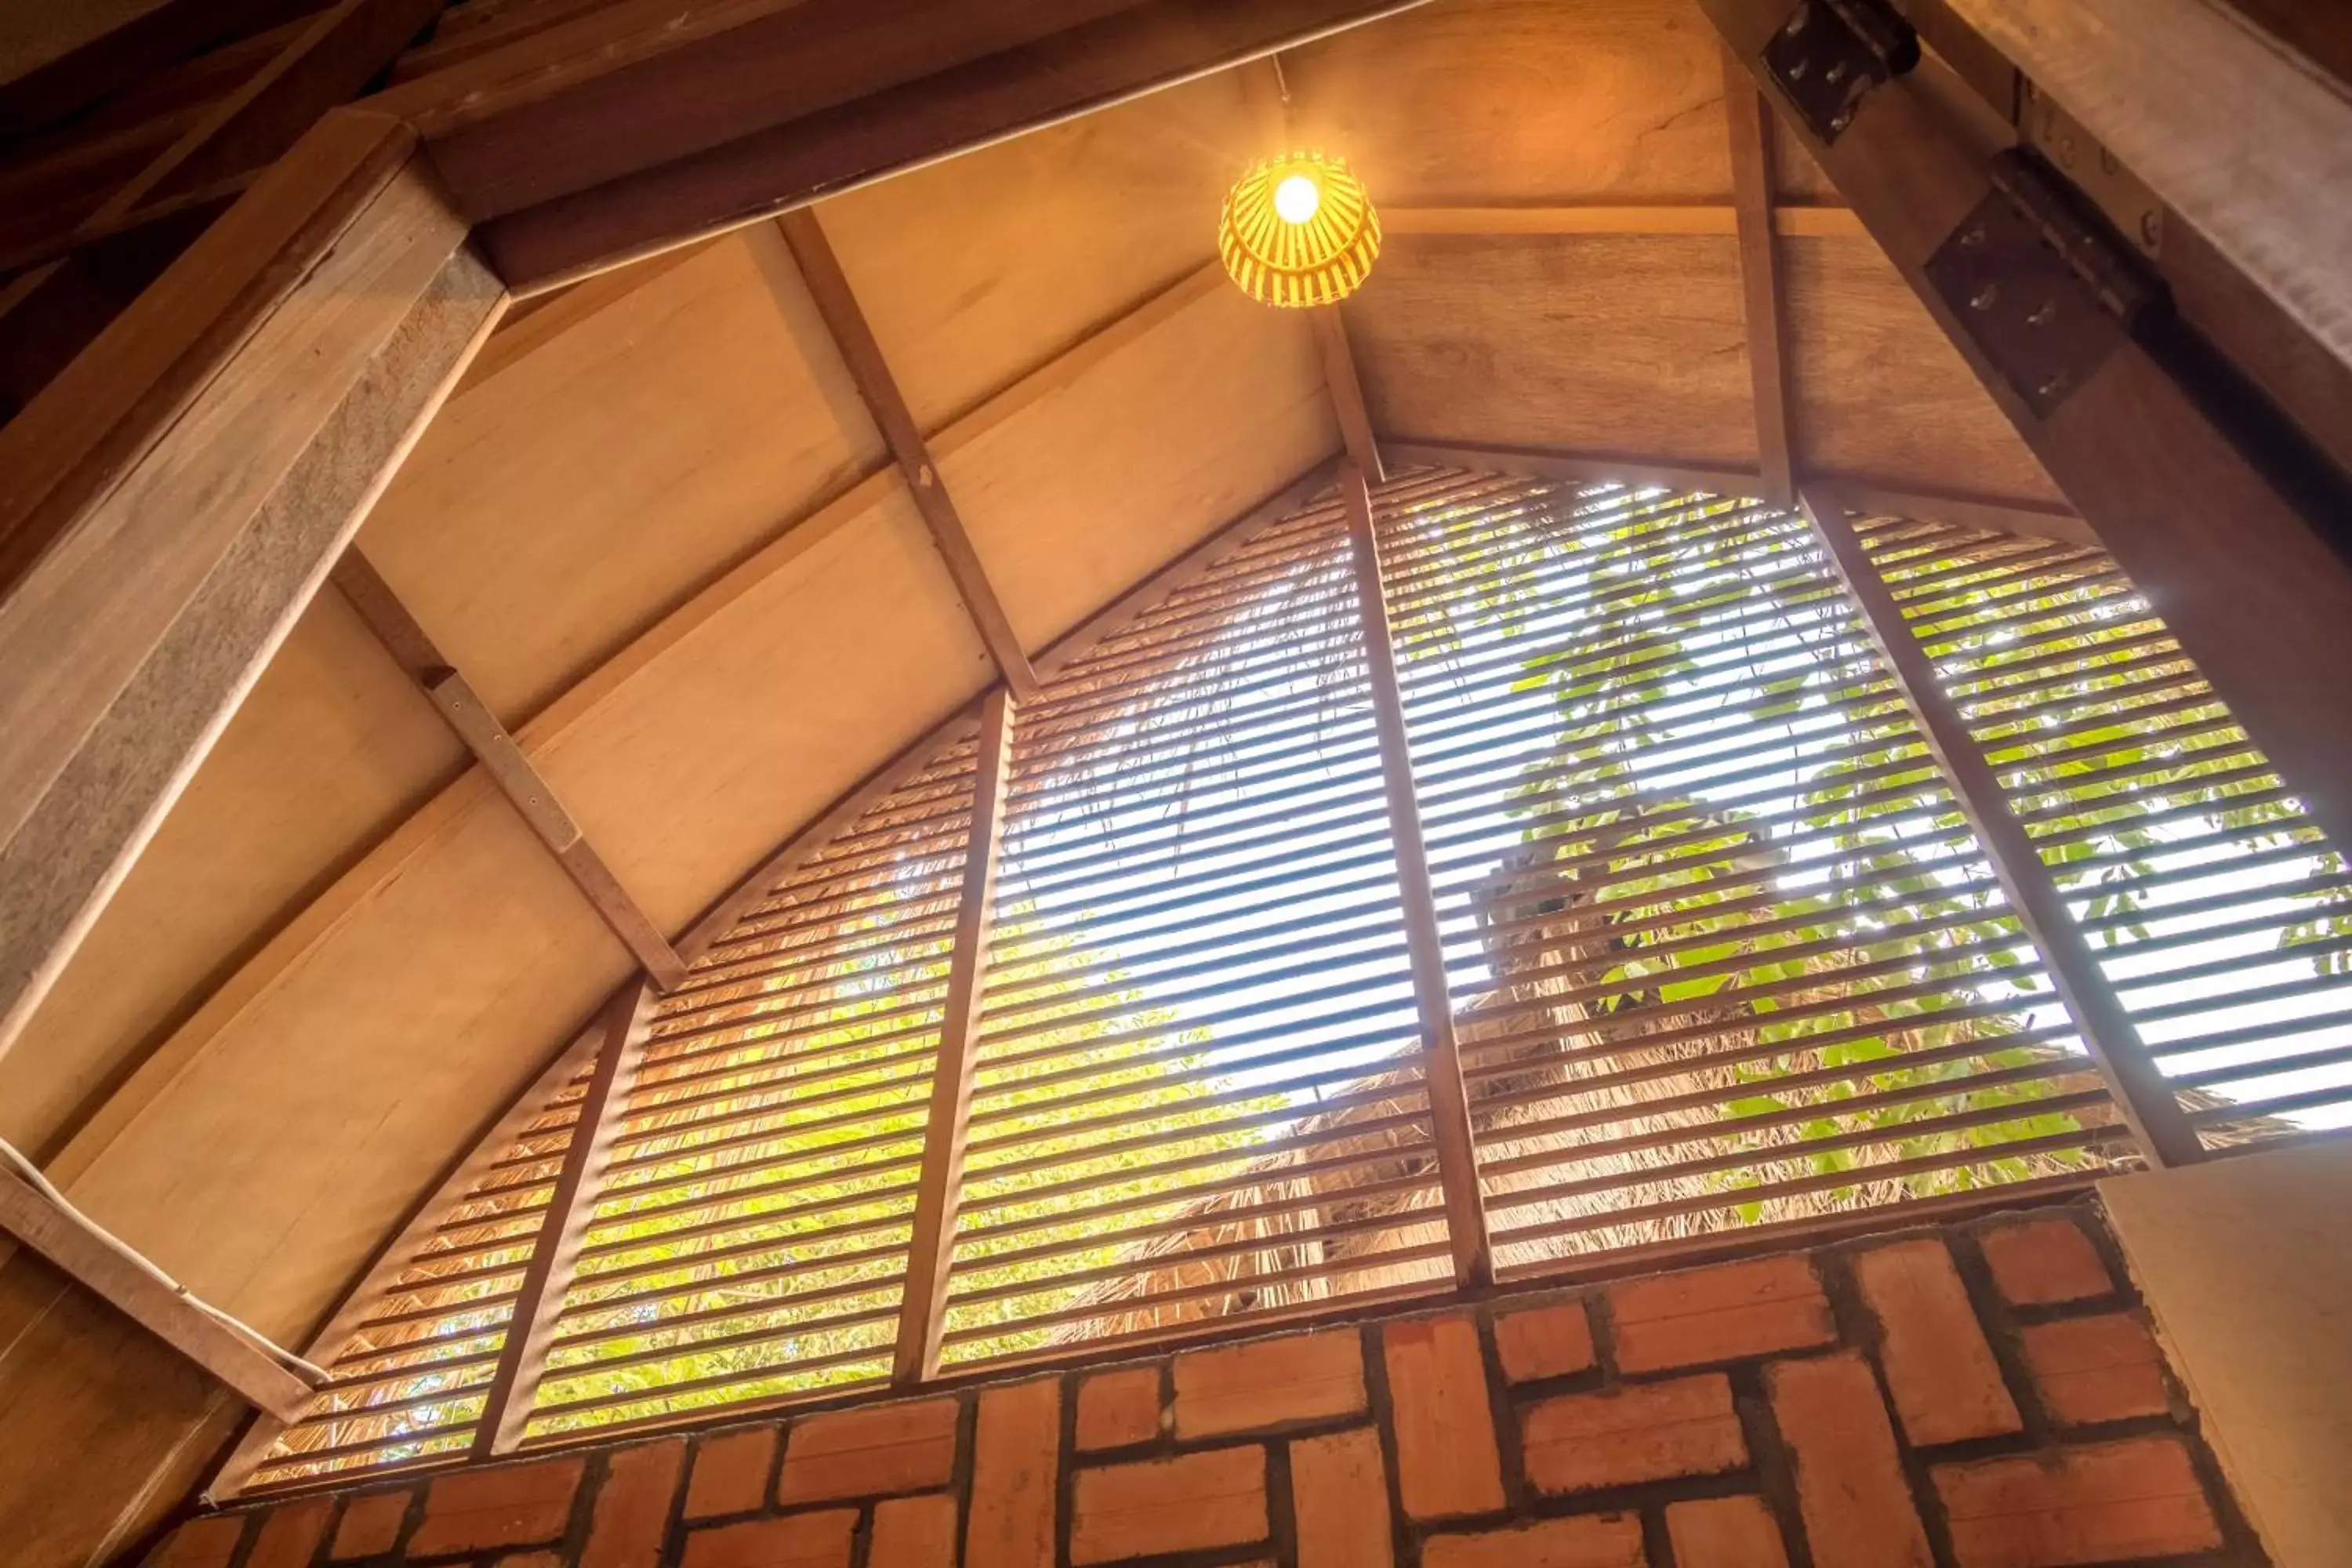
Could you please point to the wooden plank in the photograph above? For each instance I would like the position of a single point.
(2098, 1014)
(1637, 217)
(1347, 392)
(485, 1146)
(161, 1309)
(1449, 1097)
(2241, 136)
(518, 778)
(836, 302)
(2032, 520)
(1750, 120)
(796, 155)
(199, 502)
(2258, 598)
(530, 1332)
(939, 1191)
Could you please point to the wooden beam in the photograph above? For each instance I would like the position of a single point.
(122, 56)
(2098, 1014)
(198, 469)
(1449, 1095)
(2256, 596)
(1644, 217)
(1993, 514)
(836, 303)
(555, 1252)
(939, 1189)
(518, 778)
(325, 63)
(2239, 136)
(1750, 121)
(784, 133)
(68, 1241)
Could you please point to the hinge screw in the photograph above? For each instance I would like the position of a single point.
(1797, 69)
(1797, 23)
(1974, 238)
(1983, 299)
(2053, 387)
(2044, 314)
(1836, 73)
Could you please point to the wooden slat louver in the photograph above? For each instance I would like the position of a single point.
(1722, 951)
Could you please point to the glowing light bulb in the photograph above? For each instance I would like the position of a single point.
(1296, 199)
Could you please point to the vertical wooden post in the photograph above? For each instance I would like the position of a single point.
(930, 1251)
(530, 1330)
(1750, 121)
(1449, 1096)
(2098, 1014)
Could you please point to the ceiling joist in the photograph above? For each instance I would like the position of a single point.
(836, 302)
(1634, 218)
(518, 778)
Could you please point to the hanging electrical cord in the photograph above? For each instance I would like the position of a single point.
(30, 1174)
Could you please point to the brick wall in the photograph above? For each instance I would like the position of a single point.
(1980, 1396)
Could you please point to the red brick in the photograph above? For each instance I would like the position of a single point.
(202, 1543)
(1850, 1488)
(914, 1532)
(730, 1473)
(1726, 1532)
(1546, 1341)
(2105, 1368)
(1946, 1382)
(869, 1452)
(290, 1537)
(1015, 1468)
(513, 1505)
(1588, 1541)
(1340, 1497)
(2103, 1504)
(1447, 1463)
(2043, 1261)
(799, 1541)
(1623, 1436)
(1216, 1497)
(1268, 1383)
(1118, 1408)
(1724, 1313)
(370, 1525)
(632, 1513)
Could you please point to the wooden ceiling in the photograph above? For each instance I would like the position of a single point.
(658, 532)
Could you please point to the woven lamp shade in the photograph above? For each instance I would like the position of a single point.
(1318, 261)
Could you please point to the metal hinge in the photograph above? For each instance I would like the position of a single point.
(2042, 284)
(1829, 54)
(2122, 196)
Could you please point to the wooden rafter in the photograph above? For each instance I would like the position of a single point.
(321, 66)
(836, 303)
(2098, 1014)
(2243, 138)
(1637, 217)
(518, 778)
(938, 1190)
(1994, 514)
(1449, 1096)
(1750, 122)
(2258, 598)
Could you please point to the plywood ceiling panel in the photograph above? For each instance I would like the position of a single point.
(1499, 102)
(972, 272)
(333, 745)
(558, 506)
(1092, 486)
(1627, 343)
(1880, 391)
